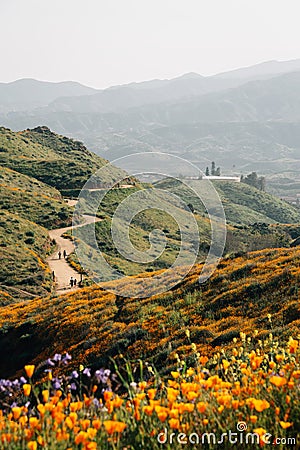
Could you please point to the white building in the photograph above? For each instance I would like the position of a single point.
(221, 178)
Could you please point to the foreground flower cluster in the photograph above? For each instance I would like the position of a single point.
(250, 393)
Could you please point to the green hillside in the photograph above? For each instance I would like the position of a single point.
(27, 208)
(33, 200)
(23, 271)
(141, 227)
(251, 218)
(45, 155)
(251, 199)
(243, 204)
(53, 159)
(35, 165)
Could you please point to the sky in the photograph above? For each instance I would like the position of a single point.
(107, 42)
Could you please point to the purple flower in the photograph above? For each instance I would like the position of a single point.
(73, 386)
(75, 374)
(102, 375)
(50, 362)
(57, 357)
(23, 380)
(87, 372)
(98, 375)
(56, 383)
(66, 358)
(96, 402)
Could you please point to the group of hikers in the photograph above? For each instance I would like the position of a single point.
(73, 281)
(64, 254)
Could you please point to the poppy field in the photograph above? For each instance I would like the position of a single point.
(250, 393)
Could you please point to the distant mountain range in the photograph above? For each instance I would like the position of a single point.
(246, 119)
(27, 94)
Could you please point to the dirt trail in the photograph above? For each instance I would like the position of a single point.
(62, 270)
(71, 202)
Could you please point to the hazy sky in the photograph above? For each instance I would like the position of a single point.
(107, 42)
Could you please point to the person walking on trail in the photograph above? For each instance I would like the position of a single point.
(53, 275)
(59, 255)
(65, 254)
(71, 282)
(75, 282)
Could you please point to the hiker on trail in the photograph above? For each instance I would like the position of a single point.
(65, 254)
(71, 282)
(75, 281)
(59, 255)
(53, 275)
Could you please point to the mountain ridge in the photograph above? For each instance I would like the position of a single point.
(202, 85)
(29, 93)
(245, 123)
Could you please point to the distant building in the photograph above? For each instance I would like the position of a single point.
(214, 177)
(221, 178)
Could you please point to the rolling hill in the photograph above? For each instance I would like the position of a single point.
(243, 204)
(33, 200)
(55, 160)
(27, 208)
(56, 163)
(255, 291)
(250, 294)
(251, 217)
(33, 164)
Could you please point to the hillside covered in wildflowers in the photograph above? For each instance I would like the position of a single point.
(199, 364)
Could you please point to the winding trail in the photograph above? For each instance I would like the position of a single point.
(62, 270)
